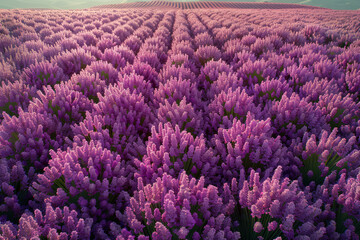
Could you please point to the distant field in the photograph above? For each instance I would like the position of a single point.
(82, 4)
(205, 4)
(185, 121)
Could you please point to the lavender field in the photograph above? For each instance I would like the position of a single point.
(180, 122)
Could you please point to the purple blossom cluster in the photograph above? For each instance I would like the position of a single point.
(180, 124)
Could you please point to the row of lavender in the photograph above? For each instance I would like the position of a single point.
(180, 124)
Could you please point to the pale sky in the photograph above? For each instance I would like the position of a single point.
(78, 4)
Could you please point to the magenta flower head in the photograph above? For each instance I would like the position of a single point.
(231, 48)
(249, 145)
(136, 84)
(351, 81)
(14, 95)
(311, 91)
(292, 117)
(73, 61)
(58, 223)
(115, 137)
(68, 44)
(150, 57)
(183, 47)
(226, 106)
(182, 60)
(297, 76)
(43, 74)
(25, 142)
(62, 104)
(88, 84)
(143, 69)
(27, 138)
(280, 200)
(326, 155)
(340, 111)
(182, 114)
(105, 43)
(224, 82)
(23, 58)
(134, 43)
(104, 70)
(172, 151)
(128, 109)
(89, 38)
(118, 56)
(210, 73)
(255, 72)
(203, 39)
(175, 90)
(241, 58)
(183, 207)
(122, 33)
(36, 46)
(89, 179)
(205, 54)
(270, 90)
(7, 71)
(172, 71)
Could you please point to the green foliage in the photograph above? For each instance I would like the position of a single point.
(105, 75)
(6, 108)
(55, 108)
(246, 225)
(258, 76)
(270, 95)
(312, 163)
(203, 61)
(177, 63)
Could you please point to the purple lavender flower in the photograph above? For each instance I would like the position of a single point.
(255, 72)
(292, 117)
(270, 90)
(226, 106)
(136, 84)
(118, 56)
(56, 223)
(312, 91)
(150, 57)
(182, 60)
(43, 74)
(340, 111)
(88, 178)
(174, 90)
(88, 84)
(134, 43)
(104, 70)
(171, 151)
(330, 153)
(15, 95)
(128, 109)
(182, 114)
(210, 73)
(183, 48)
(62, 103)
(205, 54)
(183, 207)
(170, 72)
(105, 43)
(297, 76)
(143, 69)
(249, 145)
(73, 61)
(203, 39)
(278, 199)
(224, 82)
